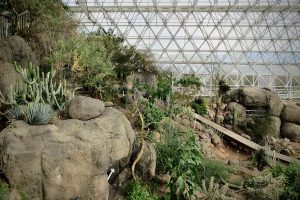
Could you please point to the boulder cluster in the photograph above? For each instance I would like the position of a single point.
(283, 119)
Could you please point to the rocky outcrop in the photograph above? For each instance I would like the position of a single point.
(239, 109)
(259, 97)
(291, 113)
(85, 108)
(291, 131)
(147, 164)
(13, 49)
(67, 159)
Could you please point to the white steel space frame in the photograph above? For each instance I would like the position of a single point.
(249, 42)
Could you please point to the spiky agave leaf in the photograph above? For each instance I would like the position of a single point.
(15, 113)
(38, 113)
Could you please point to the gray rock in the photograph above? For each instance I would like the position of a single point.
(267, 127)
(8, 77)
(239, 109)
(147, 163)
(291, 113)
(215, 139)
(260, 97)
(108, 104)
(163, 178)
(67, 159)
(85, 108)
(233, 162)
(291, 131)
(127, 99)
(286, 152)
(246, 136)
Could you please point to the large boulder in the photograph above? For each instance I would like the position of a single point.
(291, 131)
(239, 109)
(8, 77)
(147, 164)
(13, 49)
(255, 97)
(68, 159)
(291, 113)
(85, 108)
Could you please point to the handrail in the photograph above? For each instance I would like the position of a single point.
(243, 140)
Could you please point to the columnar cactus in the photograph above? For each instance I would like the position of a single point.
(39, 88)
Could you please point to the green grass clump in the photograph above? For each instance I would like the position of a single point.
(136, 191)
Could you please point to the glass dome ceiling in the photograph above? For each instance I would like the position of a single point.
(251, 42)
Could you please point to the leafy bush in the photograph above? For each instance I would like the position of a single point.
(189, 81)
(199, 106)
(164, 87)
(88, 59)
(265, 186)
(291, 181)
(215, 169)
(180, 156)
(153, 115)
(223, 87)
(4, 191)
(136, 191)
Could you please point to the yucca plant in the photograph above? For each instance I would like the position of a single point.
(213, 191)
(38, 113)
(15, 113)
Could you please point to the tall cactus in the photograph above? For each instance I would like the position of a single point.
(39, 88)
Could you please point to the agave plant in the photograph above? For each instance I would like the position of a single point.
(38, 113)
(213, 191)
(15, 113)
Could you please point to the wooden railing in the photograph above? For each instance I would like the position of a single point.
(10, 24)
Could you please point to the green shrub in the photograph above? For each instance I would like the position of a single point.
(180, 156)
(214, 191)
(153, 115)
(189, 81)
(212, 168)
(136, 191)
(265, 186)
(291, 181)
(164, 87)
(199, 106)
(4, 191)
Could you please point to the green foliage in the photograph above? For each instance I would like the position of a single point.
(88, 59)
(213, 191)
(223, 87)
(189, 81)
(180, 156)
(136, 191)
(153, 115)
(199, 106)
(291, 181)
(32, 113)
(259, 159)
(39, 88)
(215, 169)
(4, 191)
(265, 186)
(164, 87)
(128, 59)
(45, 16)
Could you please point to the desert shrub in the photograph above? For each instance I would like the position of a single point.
(153, 115)
(164, 87)
(180, 156)
(265, 186)
(212, 168)
(136, 191)
(87, 58)
(260, 159)
(4, 191)
(199, 106)
(214, 191)
(291, 181)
